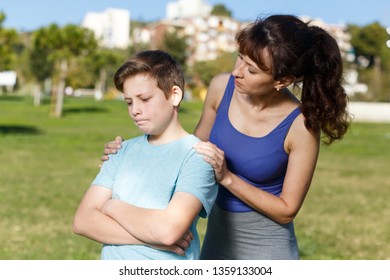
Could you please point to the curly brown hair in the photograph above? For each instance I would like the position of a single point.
(312, 57)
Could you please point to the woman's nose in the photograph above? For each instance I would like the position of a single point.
(237, 71)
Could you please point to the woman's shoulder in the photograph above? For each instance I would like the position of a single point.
(220, 80)
(299, 133)
(216, 90)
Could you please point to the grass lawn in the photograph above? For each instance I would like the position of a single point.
(47, 164)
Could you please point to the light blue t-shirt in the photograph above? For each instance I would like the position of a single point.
(147, 175)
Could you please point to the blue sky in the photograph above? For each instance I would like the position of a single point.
(31, 14)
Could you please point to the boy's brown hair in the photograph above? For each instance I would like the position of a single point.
(162, 67)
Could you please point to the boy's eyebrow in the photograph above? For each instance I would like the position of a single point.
(135, 95)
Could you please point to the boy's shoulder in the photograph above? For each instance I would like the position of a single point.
(184, 145)
(134, 140)
(192, 138)
(131, 143)
(188, 142)
(196, 157)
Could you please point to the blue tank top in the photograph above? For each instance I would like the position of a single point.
(260, 161)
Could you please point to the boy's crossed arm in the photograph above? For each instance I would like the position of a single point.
(156, 226)
(91, 222)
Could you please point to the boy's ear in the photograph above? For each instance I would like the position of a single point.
(177, 95)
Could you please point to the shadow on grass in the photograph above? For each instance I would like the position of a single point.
(20, 129)
(10, 98)
(78, 110)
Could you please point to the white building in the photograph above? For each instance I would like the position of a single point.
(206, 36)
(187, 9)
(111, 27)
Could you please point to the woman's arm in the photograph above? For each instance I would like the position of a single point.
(213, 99)
(155, 226)
(303, 148)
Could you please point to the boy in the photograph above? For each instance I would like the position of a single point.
(146, 200)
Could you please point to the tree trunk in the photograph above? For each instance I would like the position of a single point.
(377, 79)
(60, 89)
(37, 94)
(100, 85)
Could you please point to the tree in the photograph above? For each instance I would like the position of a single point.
(203, 71)
(52, 50)
(41, 56)
(9, 46)
(176, 46)
(221, 10)
(137, 45)
(369, 43)
(104, 63)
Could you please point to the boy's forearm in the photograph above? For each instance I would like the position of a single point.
(152, 226)
(102, 228)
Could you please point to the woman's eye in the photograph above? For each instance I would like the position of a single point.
(251, 71)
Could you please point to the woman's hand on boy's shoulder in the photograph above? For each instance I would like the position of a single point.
(112, 147)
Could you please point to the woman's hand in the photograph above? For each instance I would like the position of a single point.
(216, 157)
(111, 148)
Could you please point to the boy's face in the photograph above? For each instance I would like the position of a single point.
(147, 104)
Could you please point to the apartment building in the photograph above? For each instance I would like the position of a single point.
(207, 36)
(111, 27)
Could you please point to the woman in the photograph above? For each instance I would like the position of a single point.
(262, 141)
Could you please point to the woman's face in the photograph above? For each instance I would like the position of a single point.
(250, 79)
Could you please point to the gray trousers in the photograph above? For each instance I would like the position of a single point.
(247, 236)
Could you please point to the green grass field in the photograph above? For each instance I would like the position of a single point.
(47, 164)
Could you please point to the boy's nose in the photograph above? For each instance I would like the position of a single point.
(135, 110)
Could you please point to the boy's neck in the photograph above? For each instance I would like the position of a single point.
(168, 136)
